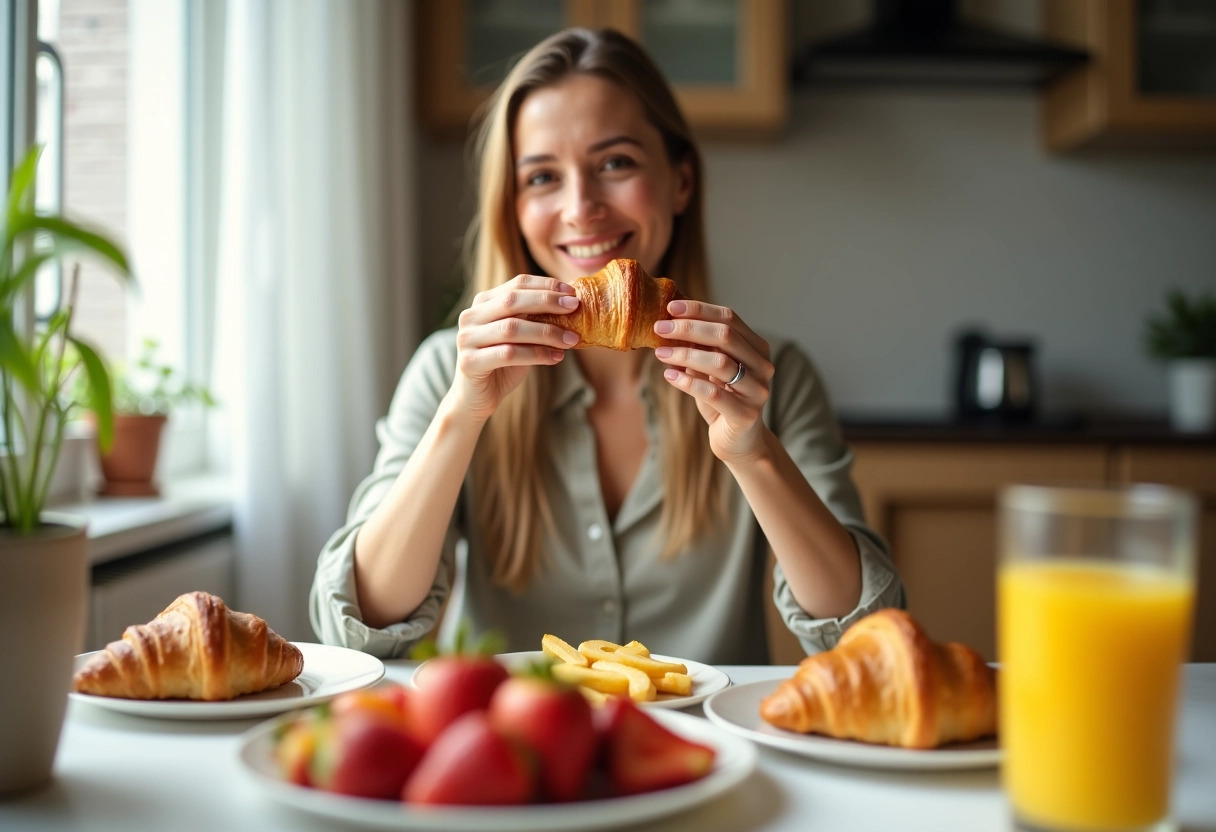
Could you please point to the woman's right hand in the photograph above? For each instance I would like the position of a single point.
(496, 344)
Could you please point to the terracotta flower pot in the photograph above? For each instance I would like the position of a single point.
(130, 466)
(44, 578)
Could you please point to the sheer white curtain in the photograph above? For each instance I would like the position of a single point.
(311, 239)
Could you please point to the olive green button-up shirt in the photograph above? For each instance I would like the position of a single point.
(605, 578)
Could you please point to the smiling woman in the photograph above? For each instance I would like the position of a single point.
(630, 493)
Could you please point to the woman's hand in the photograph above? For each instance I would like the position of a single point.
(725, 367)
(496, 345)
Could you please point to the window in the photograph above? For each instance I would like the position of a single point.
(112, 113)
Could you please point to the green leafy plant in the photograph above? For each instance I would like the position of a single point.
(1187, 329)
(35, 366)
(151, 386)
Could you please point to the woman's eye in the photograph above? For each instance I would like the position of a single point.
(618, 163)
(539, 178)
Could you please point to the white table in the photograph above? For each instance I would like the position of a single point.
(129, 774)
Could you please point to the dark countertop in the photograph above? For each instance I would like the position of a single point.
(1062, 428)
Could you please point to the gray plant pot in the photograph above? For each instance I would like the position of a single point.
(44, 578)
(1192, 389)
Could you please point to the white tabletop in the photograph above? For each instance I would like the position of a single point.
(130, 774)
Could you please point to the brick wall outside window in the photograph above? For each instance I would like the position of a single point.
(93, 46)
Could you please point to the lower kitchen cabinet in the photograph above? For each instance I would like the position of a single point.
(936, 504)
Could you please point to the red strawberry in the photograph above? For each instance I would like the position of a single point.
(471, 765)
(553, 721)
(366, 755)
(642, 755)
(450, 687)
(453, 685)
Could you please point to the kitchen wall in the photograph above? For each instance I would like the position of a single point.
(883, 220)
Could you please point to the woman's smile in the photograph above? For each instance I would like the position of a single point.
(593, 253)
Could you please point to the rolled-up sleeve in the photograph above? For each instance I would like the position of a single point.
(334, 601)
(801, 416)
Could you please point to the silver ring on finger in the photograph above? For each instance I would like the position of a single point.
(739, 374)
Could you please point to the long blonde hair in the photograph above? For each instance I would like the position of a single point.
(511, 464)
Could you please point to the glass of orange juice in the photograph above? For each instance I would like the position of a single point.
(1095, 588)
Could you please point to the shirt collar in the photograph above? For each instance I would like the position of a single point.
(569, 382)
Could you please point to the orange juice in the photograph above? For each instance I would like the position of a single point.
(1090, 662)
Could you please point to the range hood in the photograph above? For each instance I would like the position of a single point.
(928, 42)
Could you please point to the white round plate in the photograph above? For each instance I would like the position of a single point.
(738, 710)
(706, 679)
(327, 672)
(735, 758)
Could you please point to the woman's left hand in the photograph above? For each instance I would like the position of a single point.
(725, 366)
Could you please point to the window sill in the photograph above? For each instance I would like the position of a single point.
(121, 526)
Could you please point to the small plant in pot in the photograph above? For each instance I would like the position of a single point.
(44, 558)
(1185, 338)
(145, 392)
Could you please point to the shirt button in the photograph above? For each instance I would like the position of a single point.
(609, 605)
(595, 531)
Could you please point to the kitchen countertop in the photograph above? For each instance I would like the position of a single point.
(117, 773)
(1052, 428)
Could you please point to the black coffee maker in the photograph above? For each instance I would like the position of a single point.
(994, 380)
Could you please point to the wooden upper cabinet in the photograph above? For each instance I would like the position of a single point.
(726, 59)
(1150, 80)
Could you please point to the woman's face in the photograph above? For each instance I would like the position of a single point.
(593, 180)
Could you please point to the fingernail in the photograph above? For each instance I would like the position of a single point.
(557, 355)
(568, 301)
(569, 337)
(664, 327)
(671, 375)
(663, 352)
(677, 307)
(565, 287)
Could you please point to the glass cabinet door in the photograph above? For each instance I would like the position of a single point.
(499, 31)
(694, 42)
(1176, 47)
(726, 59)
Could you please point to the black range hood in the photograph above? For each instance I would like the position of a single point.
(928, 42)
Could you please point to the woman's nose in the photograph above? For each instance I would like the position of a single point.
(583, 201)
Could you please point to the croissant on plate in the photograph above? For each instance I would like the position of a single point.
(196, 648)
(886, 682)
(618, 307)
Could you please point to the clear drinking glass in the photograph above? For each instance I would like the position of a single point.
(1095, 590)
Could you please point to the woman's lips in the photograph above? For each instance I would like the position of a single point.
(598, 252)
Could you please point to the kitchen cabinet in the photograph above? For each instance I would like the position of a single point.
(726, 59)
(934, 500)
(1150, 80)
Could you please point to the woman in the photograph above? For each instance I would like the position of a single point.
(601, 494)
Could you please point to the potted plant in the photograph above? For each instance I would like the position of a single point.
(1185, 337)
(44, 565)
(144, 394)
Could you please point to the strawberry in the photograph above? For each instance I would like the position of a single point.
(364, 754)
(296, 743)
(471, 765)
(554, 722)
(642, 755)
(451, 686)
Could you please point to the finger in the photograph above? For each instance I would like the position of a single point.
(515, 331)
(706, 392)
(506, 303)
(718, 314)
(718, 366)
(482, 362)
(720, 338)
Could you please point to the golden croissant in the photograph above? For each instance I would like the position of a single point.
(886, 682)
(618, 307)
(196, 648)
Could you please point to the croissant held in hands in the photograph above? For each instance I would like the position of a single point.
(196, 648)
(618, 308)
(886, 682)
